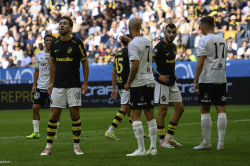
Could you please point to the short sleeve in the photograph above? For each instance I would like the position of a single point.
(52, 54)
(133, 52)
(36, 65)
(83, 56)
(202, 48)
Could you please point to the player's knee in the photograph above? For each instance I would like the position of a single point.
(55, 116)
(35, 108)
(181, 110)
(163, 112)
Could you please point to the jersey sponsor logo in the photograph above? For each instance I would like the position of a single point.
(119, 79)
(64, 59)
(37, 95)
(69, 50)
(56, 50)
(77, 95)
(205, 96)
(163, 98)
(170, 61)
(223, 98)
(206, 101)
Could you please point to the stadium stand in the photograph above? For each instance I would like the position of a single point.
(24, 23)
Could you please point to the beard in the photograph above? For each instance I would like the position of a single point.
(63, 33)
(169, 41)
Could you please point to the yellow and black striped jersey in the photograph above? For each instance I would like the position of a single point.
(121, 66)
(67, 55)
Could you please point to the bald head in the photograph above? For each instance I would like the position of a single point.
(135, 24)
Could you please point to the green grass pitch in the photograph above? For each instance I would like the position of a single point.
(15, 125)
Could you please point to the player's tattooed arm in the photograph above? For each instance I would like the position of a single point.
(114, 91)
(133, 71)
(198, 71)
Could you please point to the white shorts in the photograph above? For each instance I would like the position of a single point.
(61, 96)
(125, 95)
(165, 94)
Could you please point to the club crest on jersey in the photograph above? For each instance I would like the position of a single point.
(69, 50)
(155, 50)
(37, 95)
(163, 98)
(205, 96)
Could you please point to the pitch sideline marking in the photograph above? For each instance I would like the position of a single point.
(242, 120)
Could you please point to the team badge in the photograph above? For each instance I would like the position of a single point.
(205, 96)
(50, 100)
(37, 95)
(163, 98)
(69, 50)
(155, 50)
(142, 99)
(223, 98)
(77, 95)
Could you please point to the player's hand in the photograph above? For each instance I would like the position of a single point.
(196, 88)
(175, 76)
(114, 94)
(124, 37)
(33, 89)
(164, 78)
(49, 60)
(50, 89)
(127, 86)
(85, 89)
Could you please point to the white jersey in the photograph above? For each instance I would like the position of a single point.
(140, 48)
(41, 63)
(214, 47)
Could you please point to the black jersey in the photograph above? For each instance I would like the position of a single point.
(164, 56)
(121, 66)
(68, 56)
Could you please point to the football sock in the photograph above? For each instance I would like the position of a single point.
(130, 119)
(152, 128)
(161, 132)
(36, 126)
(76, 129)
(221, 125)
(51, 131)
(138, 130)
(171, 129)
(76, 146)
(206, 126)
(57, 126)
(118, 119)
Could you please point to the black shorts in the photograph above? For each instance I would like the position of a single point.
(40, 97)
(215, 93)
(142, 97)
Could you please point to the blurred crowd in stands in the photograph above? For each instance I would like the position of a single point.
(24, 23)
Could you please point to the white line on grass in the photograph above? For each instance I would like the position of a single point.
(241, 120)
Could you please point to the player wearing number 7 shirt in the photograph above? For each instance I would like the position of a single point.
(211, 76)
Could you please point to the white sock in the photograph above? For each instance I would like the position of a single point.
(206, 126)
(221, 125)
(76, 146)
(152, 128)
(48, 146)
(138, 130)
(36, 126)
(111, 129)
(57, 126)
